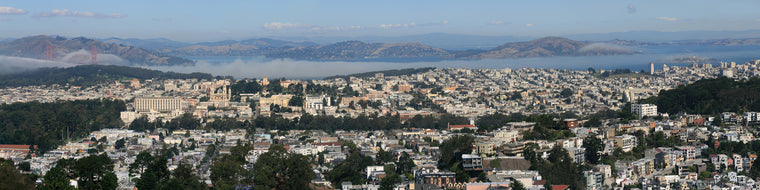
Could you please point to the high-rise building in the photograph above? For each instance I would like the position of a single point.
(651, 68)
(644, 109)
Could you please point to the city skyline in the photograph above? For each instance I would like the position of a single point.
(197, 21)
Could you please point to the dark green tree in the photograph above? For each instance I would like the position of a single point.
(517, 185)
(593, 146)
(391, 178)
(56, 179)
(10, 178)
(405, 164)
(95, 172)
(279, 169)
(184, 178)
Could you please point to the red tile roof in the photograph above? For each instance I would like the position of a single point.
(560, 187)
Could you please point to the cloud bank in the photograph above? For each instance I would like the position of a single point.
(83, 14)
(284, 25)
(12, 11)
(667, 18)
(10, 64)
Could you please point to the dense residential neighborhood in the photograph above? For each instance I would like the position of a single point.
(440, 129)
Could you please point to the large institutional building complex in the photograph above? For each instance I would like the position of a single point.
(157, 104)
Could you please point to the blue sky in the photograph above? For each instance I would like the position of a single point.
(207, 20)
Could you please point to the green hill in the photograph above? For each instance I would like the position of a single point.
(710, 96)
(88, 75)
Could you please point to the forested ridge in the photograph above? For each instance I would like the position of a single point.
(89, 75)
(48, 124)
(710, 96)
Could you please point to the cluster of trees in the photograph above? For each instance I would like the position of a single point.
(305, 122)
(12, 178)
(710, 96)
(546, 128)
(185, 121)
(451, 157)
(92, 172)
(89, 75)
(350, 169)
(154, 173)
(48, 124)
(275, 169)
(558, 169)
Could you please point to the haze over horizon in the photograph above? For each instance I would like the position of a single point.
(198, 21)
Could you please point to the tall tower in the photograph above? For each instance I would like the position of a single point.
(94, 55)
(651, 68)
(48, 53)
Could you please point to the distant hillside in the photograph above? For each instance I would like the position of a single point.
(547, 47)
(710, 96)
(251, 47)
(352, 50)
(76, 50)
(150, 44)
(721, 42)
(88, 75)
(387, 73)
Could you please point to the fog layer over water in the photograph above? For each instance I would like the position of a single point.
(258, 67)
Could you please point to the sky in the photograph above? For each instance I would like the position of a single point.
(207, 20)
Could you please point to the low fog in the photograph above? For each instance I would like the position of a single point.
(12, 64)
(259, 67)
(9, 64)
(84, 57)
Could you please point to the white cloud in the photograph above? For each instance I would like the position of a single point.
(284, 25)
(5, 19)
(12, 11)
(529, 25)
(85, 14)
(667, 18)
(631, 9)
(287, 25)
(496, 22)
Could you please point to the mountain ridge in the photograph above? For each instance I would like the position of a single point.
(76, 50)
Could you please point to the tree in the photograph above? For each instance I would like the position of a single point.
(119, 144)
(148, 180)
(566, 92)
(391, 178)
(405, 164)
(349, 170)
(754, 172)
(153, 170)
(279, 169)
(184, 178)
(516, 185)
(56, 179)
(95, 172)
(593, 145)
(10, 178)
(384, 156)
(227, 173)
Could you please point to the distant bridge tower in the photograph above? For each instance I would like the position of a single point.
(48, 53)
(94, 55)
